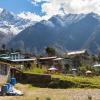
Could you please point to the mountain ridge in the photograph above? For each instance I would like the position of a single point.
(70, 31)
(11, 24)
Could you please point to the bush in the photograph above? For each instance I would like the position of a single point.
(66, 84)
(48, 98)
(37, 98)
(53, 85)
(61, 84)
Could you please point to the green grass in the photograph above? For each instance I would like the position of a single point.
(71, 81)
(81, 82)
(34, 71)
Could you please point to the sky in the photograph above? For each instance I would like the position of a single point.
(44, 9)
(18, 6)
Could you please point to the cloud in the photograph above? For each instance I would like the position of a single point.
(32, 16)
(54, 7)
(38, 1)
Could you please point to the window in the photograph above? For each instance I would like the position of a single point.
(3, 69)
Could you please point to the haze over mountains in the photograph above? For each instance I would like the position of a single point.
(67, 32)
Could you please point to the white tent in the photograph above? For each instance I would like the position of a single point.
(52, 69)
(88, 72)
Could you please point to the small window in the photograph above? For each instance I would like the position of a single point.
(3, 69)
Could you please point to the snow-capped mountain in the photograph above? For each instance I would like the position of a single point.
(71, 31)
(11, 24)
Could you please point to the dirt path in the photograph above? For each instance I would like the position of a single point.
(31, 93)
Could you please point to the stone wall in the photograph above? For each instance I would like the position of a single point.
(34, 79)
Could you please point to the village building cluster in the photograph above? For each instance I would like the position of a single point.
(72, 60)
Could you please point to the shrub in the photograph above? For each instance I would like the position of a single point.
(37, 98)
(66, 84)
(89, 97)
(48, 98)
(61, 84)
(53, 85)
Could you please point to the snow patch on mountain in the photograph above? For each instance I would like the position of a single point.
(1, 10)
(11, 23)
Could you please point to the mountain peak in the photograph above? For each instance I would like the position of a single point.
(4, 12)
(92, 14)
(1, 10)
